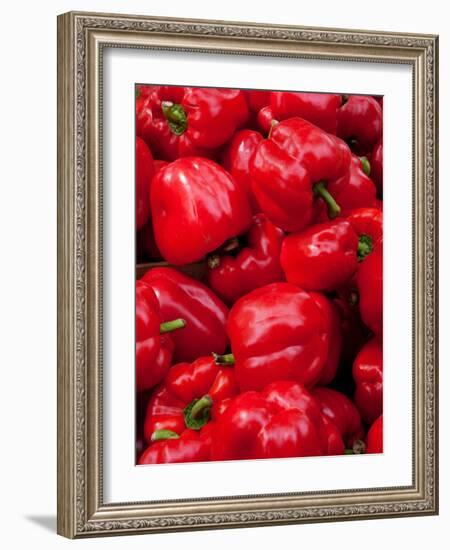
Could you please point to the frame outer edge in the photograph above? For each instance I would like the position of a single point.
(77, 490)
(66, 523)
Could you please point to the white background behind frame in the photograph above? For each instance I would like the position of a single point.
(123, 481)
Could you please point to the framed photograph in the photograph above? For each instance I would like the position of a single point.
(247, 285)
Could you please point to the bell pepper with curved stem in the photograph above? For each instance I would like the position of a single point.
(236, 159)
(374, 441)
(283, 420)
(188, 395)
(353, 190)
(360, 122)
(294, 165)
(332, 317)
(322, 257)
(370, 287)
(368, 376)
(153, 346)
(255, 265)
(181, 296)
(319, 109)
(278, 332)
(196, 207)
(144, 174)
(342, 412)
(178, 122)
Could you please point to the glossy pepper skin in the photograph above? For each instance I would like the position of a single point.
(283, 420)
(205, 383)
(370, 287)
(237, 157)
(196, 207)
(153, 346)
(190, 446)
(353, 190)
(144, 174)
(181, 296)
(293, 166)
(278, 332)
(374, 442)
(319, 109)
(360, 122)
(368, 376)
(255, 265)
(322, 257)
(178, 122)
(333, 321)
(338, 408)
(265, 120)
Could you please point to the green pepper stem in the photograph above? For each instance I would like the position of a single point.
(365, 165)
(169, 326)
(162, 435)
(200, 406)
(273, 123)
(227, 359)
(175, 116)
(365, 246)
(320, 189)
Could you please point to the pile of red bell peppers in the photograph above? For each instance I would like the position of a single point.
(276, 349)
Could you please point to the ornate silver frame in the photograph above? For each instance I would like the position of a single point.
(81, 38)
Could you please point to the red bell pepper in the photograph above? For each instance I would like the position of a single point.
(283, 420)
(190, 446)
(322, 257)
(368, 225)
(181, 296)
(236, 160)
(374, 442)
(360, 122)
(319, 109)
(178, 122)
(376, 164)
(278, 332)
(257, 99)
(188, 396)
(368, 376)
(196, 207)
(265, 120)
(353, 190)
(370, 287)
(255, 265)
(144, 175)
(293, 166)
(153, 345)
(333, 321)
(338, 408)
